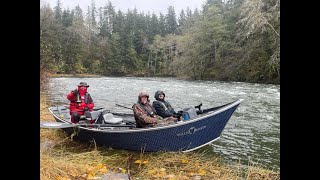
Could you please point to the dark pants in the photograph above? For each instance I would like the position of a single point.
(75, 117)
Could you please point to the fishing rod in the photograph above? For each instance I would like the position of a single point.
(123, 106)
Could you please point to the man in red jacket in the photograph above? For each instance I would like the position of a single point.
(80, 101)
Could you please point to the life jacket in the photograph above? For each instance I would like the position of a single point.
(86, 98)
(163, 104)
(83, 96)
(151, 111)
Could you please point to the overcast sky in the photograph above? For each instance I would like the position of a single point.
(155, 6)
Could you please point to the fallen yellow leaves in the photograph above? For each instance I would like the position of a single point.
(152, 172)
(94, 172)
(184, 161)
(101, 168)
(171, 177)
(90, 176)
(141, 162)
(161, 173)
(158, 173)
(73, 173)
(122, 170)
(202, 172)
(63, 178)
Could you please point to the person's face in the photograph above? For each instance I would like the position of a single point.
(144, 99)
(83, 87)
(161, 96)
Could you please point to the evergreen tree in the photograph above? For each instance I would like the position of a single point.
(171, 22)
(110, 14)
(208, 3)
(103, 24)
(67, 18)
(118, 25)
(200, 47)
(182, 21)
(58, 11)
(78, 17)
(162, 25)
(189, 13)
(93, 15)
(154, 26)
(188, 22)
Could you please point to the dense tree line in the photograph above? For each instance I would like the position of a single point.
(228, 40)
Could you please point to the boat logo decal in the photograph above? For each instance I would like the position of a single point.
(192, 130)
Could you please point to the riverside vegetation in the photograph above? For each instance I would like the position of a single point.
(234, 40)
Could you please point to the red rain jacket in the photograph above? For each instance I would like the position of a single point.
(85, 101)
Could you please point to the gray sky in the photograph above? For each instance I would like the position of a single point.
(155, 6)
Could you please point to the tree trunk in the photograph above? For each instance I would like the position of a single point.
(148, 65)
(155, 63)
(215, 50)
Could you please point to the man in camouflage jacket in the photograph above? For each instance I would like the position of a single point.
(145, 115)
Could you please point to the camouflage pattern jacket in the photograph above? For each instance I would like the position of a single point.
(145, 115)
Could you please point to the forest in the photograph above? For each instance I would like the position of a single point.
(225, 40)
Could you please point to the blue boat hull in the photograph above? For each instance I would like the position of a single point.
(183, 136)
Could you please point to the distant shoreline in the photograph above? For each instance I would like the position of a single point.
(74, 75)
(85, 75)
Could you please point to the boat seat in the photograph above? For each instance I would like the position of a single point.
(62, 112)
(92, 114)
(109, 118)
(65, 116)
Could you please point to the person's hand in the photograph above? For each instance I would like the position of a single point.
(200, 111)
(154, 121)
(178, 114)
(175, 119)
(85, 109)
(75, 92)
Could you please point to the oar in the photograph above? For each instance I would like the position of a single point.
(57, 125)
(123, 106)
(211, 109)
(99, 108)
(121, 114)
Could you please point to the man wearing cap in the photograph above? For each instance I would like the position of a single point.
(80, 101)
(145, 115)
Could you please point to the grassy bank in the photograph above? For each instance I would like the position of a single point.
(62, 158)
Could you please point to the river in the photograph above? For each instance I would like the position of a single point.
(252, 133)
